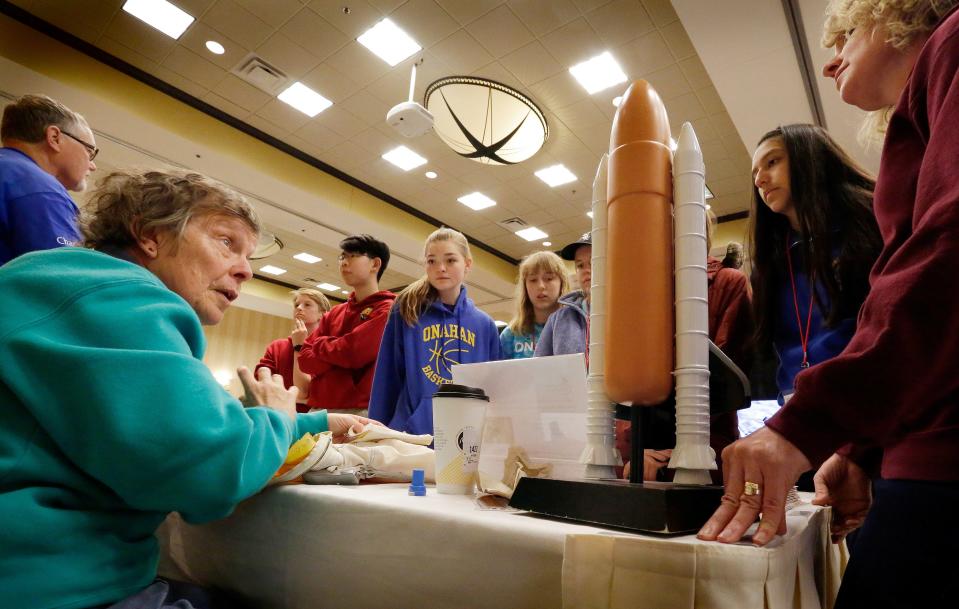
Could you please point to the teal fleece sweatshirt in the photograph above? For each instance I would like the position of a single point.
(109, 420)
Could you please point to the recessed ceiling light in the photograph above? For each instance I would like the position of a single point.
(590, 214)
(223, 376)
(304, 99)
(709, 193)
(161, 15)
(547, 243)
(476, 201)
(531, 234)
(598, 73)
(307, 258)
(556, 175)
(430, 174)
(404, 158)
(708, 206)
(272, 270)
(344, 292)
(388, 42)
(617, 100)
(329, 287)
(215, 47)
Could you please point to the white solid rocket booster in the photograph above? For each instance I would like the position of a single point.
(600, 454)
(693, 457)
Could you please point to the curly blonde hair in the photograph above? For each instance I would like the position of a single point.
(537, 262)
(903, 21)
(128, 204)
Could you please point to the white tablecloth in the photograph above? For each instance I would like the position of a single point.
(376, 547)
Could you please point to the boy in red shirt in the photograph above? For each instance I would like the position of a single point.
(341, 353)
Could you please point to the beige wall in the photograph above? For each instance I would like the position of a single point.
(240, 340)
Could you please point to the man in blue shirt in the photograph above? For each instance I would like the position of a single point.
(47, 150)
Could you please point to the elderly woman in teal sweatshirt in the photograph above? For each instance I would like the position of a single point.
(108, 418)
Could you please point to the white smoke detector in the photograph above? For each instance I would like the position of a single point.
(410, 118)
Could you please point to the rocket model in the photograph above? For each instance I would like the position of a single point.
(600, 454)
(638, 284)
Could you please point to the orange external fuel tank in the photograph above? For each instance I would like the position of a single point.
(639, 273)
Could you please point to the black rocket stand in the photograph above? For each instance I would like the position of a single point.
(663, 508)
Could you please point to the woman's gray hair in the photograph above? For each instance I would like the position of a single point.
(128, 204)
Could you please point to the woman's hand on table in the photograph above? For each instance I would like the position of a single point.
(340, 424)
(267, 390)
(759, 470)
(842, 484)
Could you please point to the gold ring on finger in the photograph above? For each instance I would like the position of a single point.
(750, 489)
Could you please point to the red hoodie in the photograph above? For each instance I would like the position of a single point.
(341, 352)
(896, 385)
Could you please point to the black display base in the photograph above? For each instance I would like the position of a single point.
(662, 508)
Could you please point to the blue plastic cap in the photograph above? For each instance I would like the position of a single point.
(417, 486)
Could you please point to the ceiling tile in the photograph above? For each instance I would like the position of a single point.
(330, 83)
(190, 65)
(283, 53)
(196, 8)
(319, 135)
(226, 105)
(134, 34)
(361, 65)
(684, 108)
(461, 53)
(127, 54)
(620, 21)
(573, 43)
(500, 31)
(84, 18)
(596, 140)
(582, 115)
(558, 91)
(496, 71)
(661, 11)
(195, 39)
(345, 155)
(274, 12)
(237, 23)
(314, 33)
(532, 63)
(543, 17)
(721, 170)
(425, 21)
(377, 143)
(705, 132)
(181, 82)
(467, 11)
(713, 152)
(366, 107)
(341, 121)
(361, 17)
(283, 115)
(586, 6)
(645, 54)
(266, 126)
(241, 93)
(386, 6)
(678, 40)
(724, 126)
(695, 72)
(669, 82)
(711, 101)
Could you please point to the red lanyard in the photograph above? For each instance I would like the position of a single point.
(803, 336)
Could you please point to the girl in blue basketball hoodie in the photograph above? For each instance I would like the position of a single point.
(432, 326)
